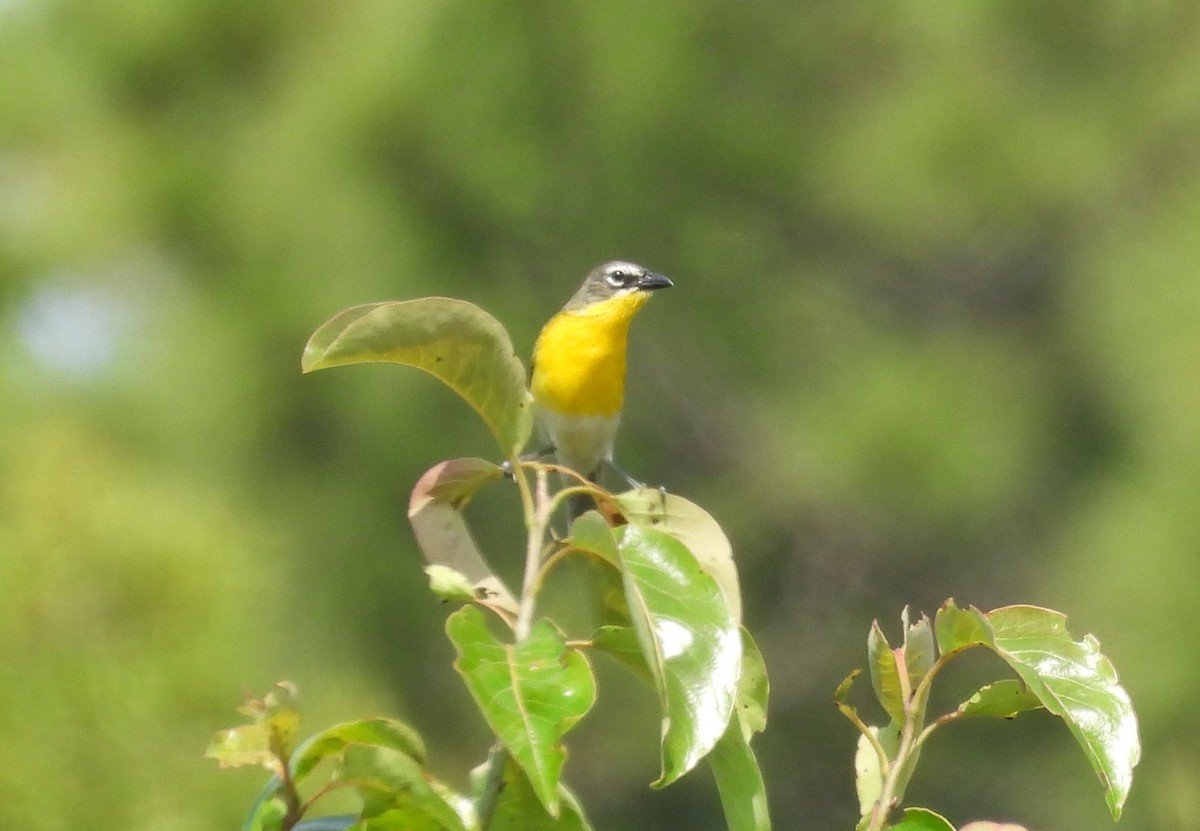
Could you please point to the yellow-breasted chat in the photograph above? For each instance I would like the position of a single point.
(578, 381)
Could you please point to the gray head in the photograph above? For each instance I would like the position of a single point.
(614, 279)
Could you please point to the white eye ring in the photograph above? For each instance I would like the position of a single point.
(617, 279)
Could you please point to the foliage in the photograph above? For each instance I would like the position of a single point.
(934, 336)
(1071, 680)
(678, 627)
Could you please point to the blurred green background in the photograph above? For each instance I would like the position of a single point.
(935, 332)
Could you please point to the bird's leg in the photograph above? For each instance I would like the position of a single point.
(506, 466)
(634, 483)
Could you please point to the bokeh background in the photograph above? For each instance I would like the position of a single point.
(935, 332)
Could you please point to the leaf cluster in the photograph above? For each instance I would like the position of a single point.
(667, 601)
(1069, 679)
(666, 606)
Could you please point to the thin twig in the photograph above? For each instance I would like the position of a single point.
(912, 736)
(536, 505)
(492, 785)
(537, 526)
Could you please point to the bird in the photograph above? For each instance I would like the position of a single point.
(578, 374)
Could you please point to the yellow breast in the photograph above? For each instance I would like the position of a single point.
(579, 360)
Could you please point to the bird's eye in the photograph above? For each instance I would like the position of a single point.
(618, 279)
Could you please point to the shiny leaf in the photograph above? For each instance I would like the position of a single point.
(692, 526)
(455, 341)
(1075, 681)
(530, 693)
(1071, 679)
(689, 639)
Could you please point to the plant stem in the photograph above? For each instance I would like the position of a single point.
(891, 782)
(486, 806)
(291, 796)
(537, 521)
(912, 736)
(885, 764)
(538, 508)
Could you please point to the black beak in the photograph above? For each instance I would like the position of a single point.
(650, 281)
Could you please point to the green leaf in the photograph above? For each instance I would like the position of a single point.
(1075, 681)
(269, 808)
(267, 740)
(919, 654)
(922, 819)
(739, 782)
(1071, 679)
(530, 693)
(885, 673)
(753, 688)
(689, 639)
(692, 526)
(591, 534)
(249, 744)
(395, 791)
(868, 770)
(958, 629)
(622, 645)
(449, 585)
(519, 807)
(332, 743)
(435, 513)
(843, 689)
(738, 778)
(839, 699)
(599, 577)
(455, 341)
(1001, 699)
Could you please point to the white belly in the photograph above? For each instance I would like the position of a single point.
(581, 443)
